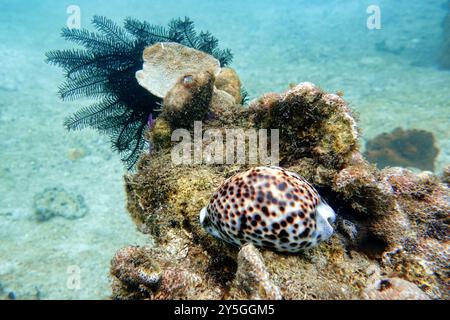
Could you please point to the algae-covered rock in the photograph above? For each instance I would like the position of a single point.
(391, 223)
(228, 81)
(446, 175)
(404, 221)
(192, 85)
(188, 100)
(394, 289)
(160, 135)
(153, 273)
(312, 124)
(252, 278)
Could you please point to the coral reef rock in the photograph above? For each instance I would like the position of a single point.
(391, 223)
(252, 278)
(446, 175)
(313, 125)
(394, 289)
(190, 98)
(406, 148)
(191, 83)
(228, 81)
(166, 62)
(57, 202)
(159, 274)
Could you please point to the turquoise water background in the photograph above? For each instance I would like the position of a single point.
(275, 43)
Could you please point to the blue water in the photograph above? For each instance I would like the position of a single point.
(389, 76)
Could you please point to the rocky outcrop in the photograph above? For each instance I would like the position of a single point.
(391, 223)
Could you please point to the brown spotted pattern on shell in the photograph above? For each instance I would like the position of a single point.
(270, 207)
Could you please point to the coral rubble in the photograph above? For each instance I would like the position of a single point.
(405, 148)
(391, 223)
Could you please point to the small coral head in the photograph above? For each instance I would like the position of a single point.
(271, 208)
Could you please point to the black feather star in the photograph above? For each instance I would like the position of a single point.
(105, 69)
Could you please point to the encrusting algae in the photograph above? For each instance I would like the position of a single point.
(391, 236)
